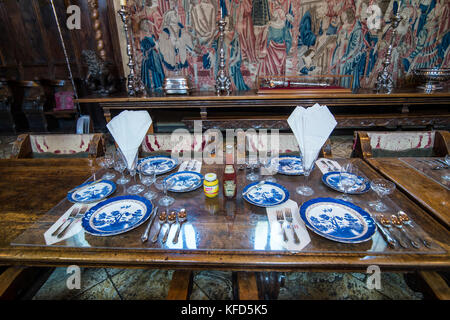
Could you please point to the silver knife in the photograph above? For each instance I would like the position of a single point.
(386, 235)
(391, 241)
(255, 186)
(144, 237)
(85, 185)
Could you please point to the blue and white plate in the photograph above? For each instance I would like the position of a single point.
(337, 220)
(163, 164)
(288, 165)
(117, 215)
(185, 181)
(333, 180)
(267, 195)
(92, 192)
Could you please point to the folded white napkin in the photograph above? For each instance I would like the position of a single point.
(73, 229)
(276, 235)
(311, 127)
(192, 165)
(327, 165)
(128, 129)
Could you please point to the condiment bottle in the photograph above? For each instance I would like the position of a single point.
(229, 181)
(211, 185)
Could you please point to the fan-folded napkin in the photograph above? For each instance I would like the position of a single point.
(311, 127)
(128, 129)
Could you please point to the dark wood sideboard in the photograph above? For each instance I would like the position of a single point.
(362, 109)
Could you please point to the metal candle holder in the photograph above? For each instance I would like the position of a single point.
(133, 86)
(385, 80)
(223, 82)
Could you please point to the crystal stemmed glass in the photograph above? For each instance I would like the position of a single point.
(136, 187)
(148, 177)
(269, 169)
(304, 189)
(347, 179)
(120, 166)
(164, 184)
(382, 188)
(106, 163)
(252, 164)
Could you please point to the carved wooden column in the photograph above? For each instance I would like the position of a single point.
(95, 17)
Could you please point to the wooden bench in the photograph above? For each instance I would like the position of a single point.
(58, 145)
(368, 144)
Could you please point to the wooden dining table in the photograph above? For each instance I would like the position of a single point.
(219, 234)
(422, 179)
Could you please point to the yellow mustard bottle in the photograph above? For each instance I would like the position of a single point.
(211, 185)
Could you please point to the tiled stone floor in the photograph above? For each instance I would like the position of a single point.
(153, 284)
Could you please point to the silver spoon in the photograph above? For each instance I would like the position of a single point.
(171, 219)
(182, 217)
(396, 222)
(162, 219)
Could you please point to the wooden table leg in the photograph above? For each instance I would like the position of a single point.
(247, 286)
(269, 284)
(180, 285)
(18, 280)
(436, 284)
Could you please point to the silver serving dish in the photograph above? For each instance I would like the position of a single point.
(432, 77)
(177, 85)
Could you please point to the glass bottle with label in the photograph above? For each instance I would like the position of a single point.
(229, 175)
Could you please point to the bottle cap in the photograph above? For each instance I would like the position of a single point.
(210, 177)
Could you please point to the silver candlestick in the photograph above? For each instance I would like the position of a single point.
(223, 82)
(385, 80)
(133, 86)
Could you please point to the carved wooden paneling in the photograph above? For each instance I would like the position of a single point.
(31, 46)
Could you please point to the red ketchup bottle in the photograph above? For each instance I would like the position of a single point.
(229, 174)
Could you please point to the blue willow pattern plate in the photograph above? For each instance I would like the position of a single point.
(185, 181)
(90, 192)
(267, 195)
(333, 180)
(116, 215)
(163, 164)
(337, 220)
(288, 165)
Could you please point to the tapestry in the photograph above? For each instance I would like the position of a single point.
(287, 37)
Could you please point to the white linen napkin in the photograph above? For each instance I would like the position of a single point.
(73, 230)
(311, 127)
(128, 129)
(194, 164)
(299, 227)
(327, 165)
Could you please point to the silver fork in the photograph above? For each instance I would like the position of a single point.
(74, 212)
(82, 211)
(280, 219)
(288, 216)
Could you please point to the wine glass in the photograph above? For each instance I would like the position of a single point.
(148, 177)
(382, 187)
(347, 179)
(136, 187)
(106, 163)
(165, 184)
(120, 166)
(268, 166)
(252, 164)
(304, 189)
